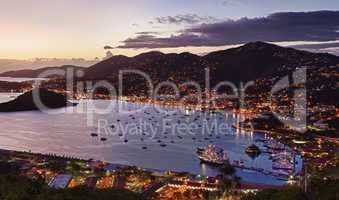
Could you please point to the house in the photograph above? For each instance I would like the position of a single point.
(60, 181)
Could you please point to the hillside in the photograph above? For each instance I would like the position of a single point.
(252, 61)
(25, 102)
(257, 61)
(156, 64)
(245, 63)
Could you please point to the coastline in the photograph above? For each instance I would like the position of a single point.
(164, 169)
(15, 153)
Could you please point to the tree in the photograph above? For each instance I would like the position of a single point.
(15, 187)
(291, 193)
(324, 189)
(227, 169)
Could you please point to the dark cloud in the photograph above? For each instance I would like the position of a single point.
(147, 33)
(107, 47)
(184, 19)
(152, 41)
(277, 27)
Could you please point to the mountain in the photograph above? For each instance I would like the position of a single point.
(258, 59)
(156, 64)
(25, 102)
(249, 62)
(30, 73)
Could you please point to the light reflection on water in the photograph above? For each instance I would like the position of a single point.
(68, 134)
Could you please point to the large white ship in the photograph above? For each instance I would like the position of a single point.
(213, 155)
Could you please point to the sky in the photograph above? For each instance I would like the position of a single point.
(81, 31)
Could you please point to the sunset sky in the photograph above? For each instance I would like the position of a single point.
(67, 29)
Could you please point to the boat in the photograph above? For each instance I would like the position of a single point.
(261, 140)
(253, 150)
(242, 163)
(282, 179)
(212, 155)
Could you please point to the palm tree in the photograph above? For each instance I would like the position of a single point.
(225, 178)
(237, 181)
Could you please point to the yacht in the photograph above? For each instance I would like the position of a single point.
(253, 150)
(212, 155)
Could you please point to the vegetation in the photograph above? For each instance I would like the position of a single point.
(26, 101)
(327, 189)
(228, 179)
(332, 172)
(15, 187)
(291, 193)
(324, 189)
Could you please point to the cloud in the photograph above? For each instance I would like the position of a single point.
(228, 2)
(107, 47)
(147, 33)
(184, 19)
(109, 54)
(15, 64)
(151, 41)
(334, 50)
(277, 27)
(321, 45)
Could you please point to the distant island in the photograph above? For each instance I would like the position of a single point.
(34, 73)
(25, 102)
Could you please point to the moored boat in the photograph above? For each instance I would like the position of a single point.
(212, 155)
(253, 150)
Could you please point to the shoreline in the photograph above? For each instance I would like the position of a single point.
(69, 158)
(87, 159)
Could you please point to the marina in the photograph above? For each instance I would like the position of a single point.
(150, 139)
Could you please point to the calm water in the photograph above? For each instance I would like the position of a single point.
(70, 134)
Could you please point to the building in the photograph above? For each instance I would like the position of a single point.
(60, 181)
